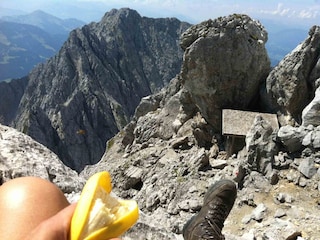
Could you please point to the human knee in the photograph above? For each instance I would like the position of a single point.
(26, 191)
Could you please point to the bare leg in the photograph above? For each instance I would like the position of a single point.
(25, 203)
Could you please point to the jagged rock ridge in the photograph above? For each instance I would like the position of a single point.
(85, 94)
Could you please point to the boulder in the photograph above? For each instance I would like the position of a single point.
(312, 139)
(261, 147)
(225, 61)
(307, 167)
(292, 137)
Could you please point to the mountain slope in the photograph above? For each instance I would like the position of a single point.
(27, 40)
(85, 94)
(46, 22)
(23, 46)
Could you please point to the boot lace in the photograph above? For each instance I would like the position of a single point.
(214, 221)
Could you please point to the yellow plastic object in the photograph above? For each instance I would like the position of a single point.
(98, 216)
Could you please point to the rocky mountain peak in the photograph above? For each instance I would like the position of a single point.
(85, 94)
(121, 15)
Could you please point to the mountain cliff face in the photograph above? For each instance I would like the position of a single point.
(85, 94)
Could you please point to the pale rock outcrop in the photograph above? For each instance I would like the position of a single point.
(307, 167)
(298, 139)
(21, 156)
(312, 138)
(292, 137)
(311, 113)
(261, 147)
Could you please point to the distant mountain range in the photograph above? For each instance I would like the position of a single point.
(49, 23)
(28, 40)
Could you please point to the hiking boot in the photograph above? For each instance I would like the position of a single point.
(217, 204)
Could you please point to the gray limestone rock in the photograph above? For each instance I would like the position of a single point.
(259, 212)
(225, 61)
(316, 138)
(307, 167)
(283, 198)
(292, 137)
(311, 114)
(21, 156)
(280, 213)
(261, 147)
(312, 138)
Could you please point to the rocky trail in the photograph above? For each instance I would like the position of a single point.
(279, 211)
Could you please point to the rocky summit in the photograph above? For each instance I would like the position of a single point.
(84, 95)
(174, 148)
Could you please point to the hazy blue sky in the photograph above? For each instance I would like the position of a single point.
(306, 12)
